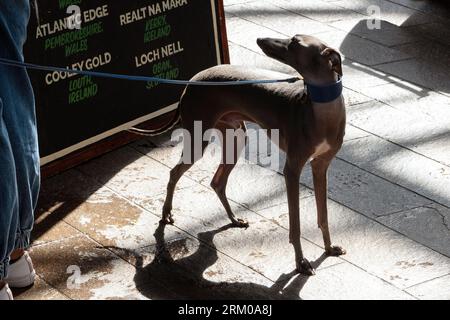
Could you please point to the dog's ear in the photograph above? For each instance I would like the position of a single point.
(335, 58)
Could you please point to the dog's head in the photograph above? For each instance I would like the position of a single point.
(308, 55)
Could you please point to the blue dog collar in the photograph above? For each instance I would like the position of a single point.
(324, 94)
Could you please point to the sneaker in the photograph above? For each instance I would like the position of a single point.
(5, 293)
(21, 273)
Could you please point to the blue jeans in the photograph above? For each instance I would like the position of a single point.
(19, 155)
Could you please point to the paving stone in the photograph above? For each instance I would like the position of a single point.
(430, 51)
(169, 150)
(105, 216)
(403, 167)
(248, 177)
(387, 34)
(414, 100)
(371, 246)
(243, 180)
(116, 223)
(240, 55)
(59, 196)
(352, 97)
(268, 15)
(45, 231)
(437, 289)
(198, 204)
(245, 33)
(233, 2)
(189, 269)
(391, 12)
(429, 225)
(425, 136)
(317, 10)
(132, 174)
(333, 283)
(432, 76)
(166, 150)
(437, 31)
(435, 8)
(39, 291)
(361, 50)
(124, 228)
(328, 283)
(356, 188)
(352, 133)
(433, 54)
(264, 246)
(80, 269)
(364, 192)
(357, 76)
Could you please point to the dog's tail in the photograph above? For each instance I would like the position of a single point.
(168, 126)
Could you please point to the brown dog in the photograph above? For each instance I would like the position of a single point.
(309, 114)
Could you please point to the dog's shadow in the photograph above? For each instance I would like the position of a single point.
(169, 277)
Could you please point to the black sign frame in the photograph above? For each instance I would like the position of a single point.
(97, 144)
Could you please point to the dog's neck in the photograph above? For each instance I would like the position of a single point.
(324, 92)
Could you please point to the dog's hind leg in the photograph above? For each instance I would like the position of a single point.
(220, 179)
(188, 158)
(219, 184)
(175, 174)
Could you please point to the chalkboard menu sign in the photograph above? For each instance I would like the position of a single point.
(171, 39)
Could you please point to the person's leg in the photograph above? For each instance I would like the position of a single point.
(19, 115)
(8, 199)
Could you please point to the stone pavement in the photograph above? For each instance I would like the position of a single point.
(389, 186)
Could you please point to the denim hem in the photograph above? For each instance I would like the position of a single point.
(22, 240)
(4, 268)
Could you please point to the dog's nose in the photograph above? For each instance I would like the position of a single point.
(261, 41)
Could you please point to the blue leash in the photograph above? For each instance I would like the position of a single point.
(15, 63)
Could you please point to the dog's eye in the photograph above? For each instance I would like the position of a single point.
(294, 39)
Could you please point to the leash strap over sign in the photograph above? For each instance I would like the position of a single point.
(19, 64)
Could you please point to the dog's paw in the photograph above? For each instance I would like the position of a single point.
(305, 268)
(241, 223)
(167, 219)
(335, 251)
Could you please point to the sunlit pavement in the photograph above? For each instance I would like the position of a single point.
(97, 234)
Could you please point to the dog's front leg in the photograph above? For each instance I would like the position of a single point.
(319, 169)
(292, 172)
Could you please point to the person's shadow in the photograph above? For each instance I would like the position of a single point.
(169, 278)
(422, 53)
